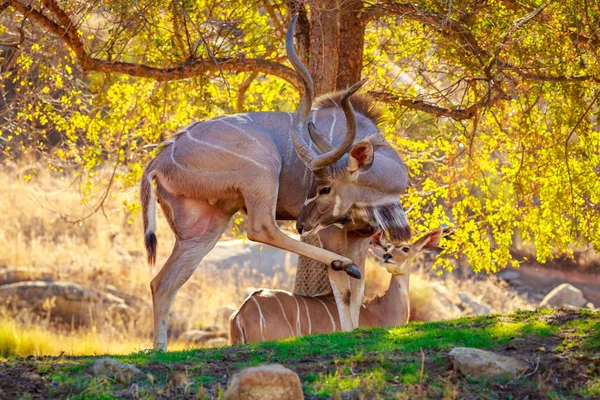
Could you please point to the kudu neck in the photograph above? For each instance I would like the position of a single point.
(393, 307)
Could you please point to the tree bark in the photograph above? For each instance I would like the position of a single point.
(302, 34)
(351, 44)
(324, 44)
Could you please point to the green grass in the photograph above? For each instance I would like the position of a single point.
(404, 362)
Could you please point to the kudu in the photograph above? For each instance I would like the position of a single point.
(278, 314)
(251, 162)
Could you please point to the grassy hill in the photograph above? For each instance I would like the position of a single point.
(411, 361)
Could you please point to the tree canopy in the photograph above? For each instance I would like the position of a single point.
(493, 105)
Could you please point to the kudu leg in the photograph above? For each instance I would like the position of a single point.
(348, 293)
(263, 228)
(182, 262)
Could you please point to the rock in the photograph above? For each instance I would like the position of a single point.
(116, 369)
(476, 363)
(510, 275)
(446, 299)
(564, 294)
(10, 275)
(217, 342)
(477, 307)
(244, 255)
(69, 301)
(590, 305)
(201, 336)
(432, 302)
(223, 314)
(268, 382)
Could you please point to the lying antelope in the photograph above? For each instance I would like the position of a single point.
(277, 314)
(261, 163)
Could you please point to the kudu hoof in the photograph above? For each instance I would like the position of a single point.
(337, 265)
(353, 272)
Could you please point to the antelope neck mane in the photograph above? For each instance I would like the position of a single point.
(361, 103)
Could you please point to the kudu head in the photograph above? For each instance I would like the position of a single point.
(397, 257)
(342, 192)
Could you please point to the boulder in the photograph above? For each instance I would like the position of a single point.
(432, 302)
(223, 314)
(564, 295)
(217, 342)
(10, 275)
(199, 337)
(116, 369)
(476, 307)
(268, 382)
(476, 363)
(69, 301)
(510, 275)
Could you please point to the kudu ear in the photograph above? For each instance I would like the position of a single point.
(376, 239)
(430, 241)
(360, 157)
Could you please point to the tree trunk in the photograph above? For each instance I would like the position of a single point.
(302, 34)
(351, 43)
(324, 44)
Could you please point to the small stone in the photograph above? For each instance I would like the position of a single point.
(31, 376)
(268, 382)
(178, 379)
(563, 295)
(476, 363)
(111, 367)
(590, 305)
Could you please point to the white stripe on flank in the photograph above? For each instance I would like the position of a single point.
(270, 152)
(193, 139)
(307, 316)
(262, 322)
(331, 130)
(291, 145)
(237, 320)
(151, 216)
(298, 322)
(328, 313)
(284, 315)
(173, 156)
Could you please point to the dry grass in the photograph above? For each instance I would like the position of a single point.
(103, 251)
(106, 251)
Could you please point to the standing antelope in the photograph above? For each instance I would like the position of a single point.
(260, 163)
(277, 314)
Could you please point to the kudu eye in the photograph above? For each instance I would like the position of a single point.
(405, 249)
(325, 190)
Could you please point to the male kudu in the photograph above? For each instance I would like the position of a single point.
(278, 314)
(260, 163)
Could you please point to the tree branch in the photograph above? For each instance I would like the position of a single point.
(239, 105)
(458, 114)
(64, 29)
(454, 28)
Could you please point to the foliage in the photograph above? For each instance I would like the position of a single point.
(519, 81)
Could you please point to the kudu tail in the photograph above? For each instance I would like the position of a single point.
(149, 215)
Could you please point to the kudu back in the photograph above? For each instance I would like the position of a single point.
(260, 163)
